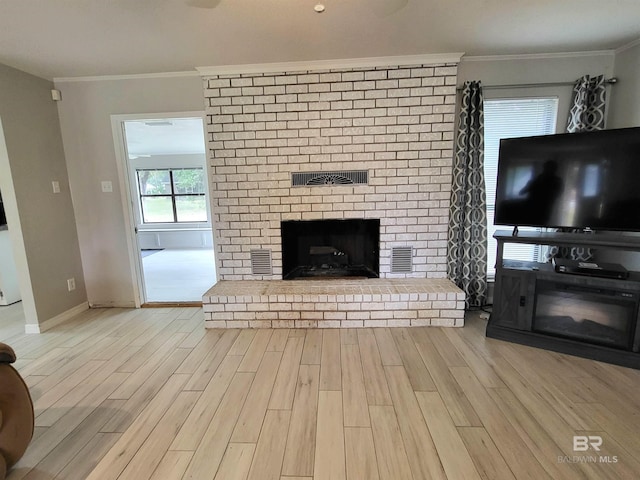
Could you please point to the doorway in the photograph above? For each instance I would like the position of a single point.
(165, 174)
(12, 317)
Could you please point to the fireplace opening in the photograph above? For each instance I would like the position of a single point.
(330, 248)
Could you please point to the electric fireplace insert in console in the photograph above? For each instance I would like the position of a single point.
(595, 315)
(330, 248)
(591, 316)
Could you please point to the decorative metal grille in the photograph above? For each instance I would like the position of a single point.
(346, 177)
(261, 262)
(401, 259)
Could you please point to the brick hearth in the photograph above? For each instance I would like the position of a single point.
(334, 303)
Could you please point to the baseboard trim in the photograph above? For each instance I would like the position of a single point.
(170, 304)
(30, 328)
(57, 320)
(113, 305)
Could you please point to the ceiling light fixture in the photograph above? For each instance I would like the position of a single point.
(319, 8)
(158, 123)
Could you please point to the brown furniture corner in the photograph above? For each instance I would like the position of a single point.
(16, 412)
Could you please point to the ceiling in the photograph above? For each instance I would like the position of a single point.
(164, 136)
(73, 38)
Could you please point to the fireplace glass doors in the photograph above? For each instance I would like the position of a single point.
(593, 315)
(331, 248)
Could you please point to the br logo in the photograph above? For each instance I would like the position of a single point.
(582, 443)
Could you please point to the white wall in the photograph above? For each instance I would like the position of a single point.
(85, 118)
(625, 101)
(536, 69)
(526, 69)
(9, 286)
(41, 224)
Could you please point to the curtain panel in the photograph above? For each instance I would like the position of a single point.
(588, 105)
(467, 235)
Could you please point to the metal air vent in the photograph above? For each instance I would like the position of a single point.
(401, 259)
(261, 262)
(345, 177)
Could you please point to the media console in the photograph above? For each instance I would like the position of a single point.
(583, 314)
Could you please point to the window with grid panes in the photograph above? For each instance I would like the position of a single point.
(511, 118)
(172, 195)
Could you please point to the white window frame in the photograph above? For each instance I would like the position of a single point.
(513, 251)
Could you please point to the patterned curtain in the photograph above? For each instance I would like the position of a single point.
(586, 114)
(588, 106)
(467, 239)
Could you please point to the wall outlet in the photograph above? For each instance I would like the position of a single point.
(71, 284)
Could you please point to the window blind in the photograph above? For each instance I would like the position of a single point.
(511, 118)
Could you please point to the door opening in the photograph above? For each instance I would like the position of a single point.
(166, 173)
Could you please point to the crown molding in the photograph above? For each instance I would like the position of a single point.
(535, 56)
(337, 64)
(367, 62)
(134, 76)
(627, 46)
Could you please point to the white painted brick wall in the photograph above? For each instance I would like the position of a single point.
(397, 123)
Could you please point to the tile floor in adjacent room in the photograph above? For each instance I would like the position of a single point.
(178, 275)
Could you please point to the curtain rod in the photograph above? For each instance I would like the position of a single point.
(610, 81)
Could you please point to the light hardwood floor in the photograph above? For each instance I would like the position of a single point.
(149, 394)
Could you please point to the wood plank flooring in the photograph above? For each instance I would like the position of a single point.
(149, 394)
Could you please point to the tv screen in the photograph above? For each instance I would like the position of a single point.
(573, 180)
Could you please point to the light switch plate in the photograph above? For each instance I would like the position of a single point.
(55, 185)
(107, 186)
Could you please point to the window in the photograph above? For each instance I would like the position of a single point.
(172, 195)
(510, 118)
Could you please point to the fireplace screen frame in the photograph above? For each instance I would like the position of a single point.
(330, 248)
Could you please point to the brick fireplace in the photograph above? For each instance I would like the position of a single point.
(395, 123)
(359, 143)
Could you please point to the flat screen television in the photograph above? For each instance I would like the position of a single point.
(588, 180)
